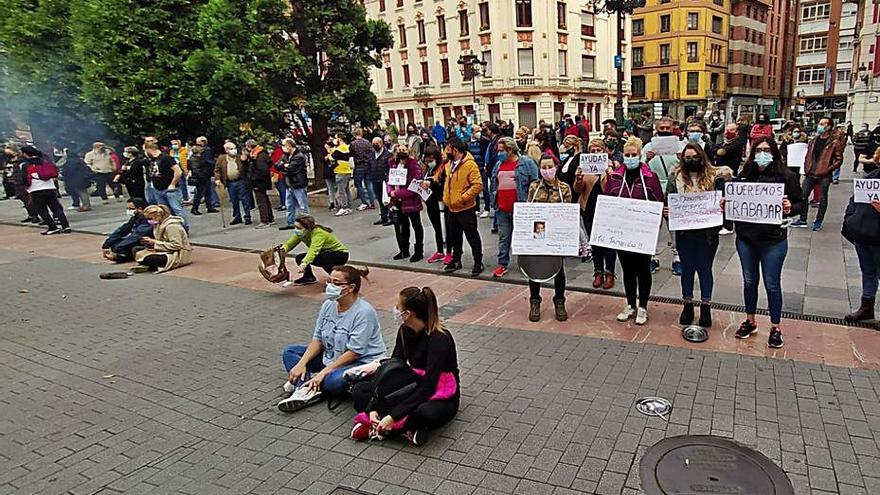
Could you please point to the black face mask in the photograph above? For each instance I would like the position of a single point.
(664, 133)
(377, 148)
(450, 157)
(691, 164)
(402, 157)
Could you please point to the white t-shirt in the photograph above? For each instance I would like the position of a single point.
(38, 184)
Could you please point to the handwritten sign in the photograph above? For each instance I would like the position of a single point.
(626, 224)
(691, 211)
(797, 155)
(397, 176)
(551, 229)
(754, 202)
(594, 163)
(866, 190)
(665, 145)
(415, 187)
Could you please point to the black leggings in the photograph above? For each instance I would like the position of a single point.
(636, 274)
(436, 217)
(401, 229)
(558, 285)
(429, 415)
(155, 261)
(325, 261)
(45, 200)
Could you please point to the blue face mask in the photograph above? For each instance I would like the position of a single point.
(631, 162)
(332, 291)
(502, 156)
(820, 129)
(695, 136)
(763, 159)
(564, 156)
(298, 232)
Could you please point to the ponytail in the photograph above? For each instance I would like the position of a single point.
(353, 275)
(423, 303)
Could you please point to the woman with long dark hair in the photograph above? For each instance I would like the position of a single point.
(434, 177)
(764, 246)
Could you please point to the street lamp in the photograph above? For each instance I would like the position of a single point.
(620, 8)
(471, 68)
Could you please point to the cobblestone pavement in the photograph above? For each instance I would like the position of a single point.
(820, 277)
(164, 384)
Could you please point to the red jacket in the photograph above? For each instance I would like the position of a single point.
(406, 200)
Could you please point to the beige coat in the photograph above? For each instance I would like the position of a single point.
(171, 240)
(100, 163)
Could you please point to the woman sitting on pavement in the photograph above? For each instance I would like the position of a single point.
(347, 334)
(548, 189)
(325, 250)
(169, 248)
(429, 349)
(121, 243)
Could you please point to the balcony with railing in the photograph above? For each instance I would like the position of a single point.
(523, 81)
(593, 84)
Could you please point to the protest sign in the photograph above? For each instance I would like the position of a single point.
(797, 155)
(665, 145)
(415, 186)
(551, 229)
(690, 211)
(626, 224)
(397, 176)
(754, 202)
(866, 190)
(594, 163)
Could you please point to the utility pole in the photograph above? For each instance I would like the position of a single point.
(621, 8)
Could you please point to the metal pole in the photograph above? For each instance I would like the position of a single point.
(618, 105)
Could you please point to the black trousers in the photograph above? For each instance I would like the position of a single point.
(432, 205)
(383, 208)
(136, 190)
(264, 205)
(429, 415)
(44, 201)
(155, 261)
(203, 191)
(463, 224)
(325, 261)
(808, 184)
(636, 277)
(558, 286)
(401, 231)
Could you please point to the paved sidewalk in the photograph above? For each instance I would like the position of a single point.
(821, 274)
(166, 384)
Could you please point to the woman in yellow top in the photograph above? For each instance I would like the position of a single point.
(325, 250)
(343, 169)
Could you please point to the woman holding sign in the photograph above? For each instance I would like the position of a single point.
(697, 247)
(406, 205)
(589, 187)
(764, 245)
(634, 180)
(548, 189)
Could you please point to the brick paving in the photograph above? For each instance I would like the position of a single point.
(167, 384)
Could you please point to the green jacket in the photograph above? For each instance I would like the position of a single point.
(318, 241)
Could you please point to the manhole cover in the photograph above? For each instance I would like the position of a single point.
(654, 406)
(707, 464)
(695, 334)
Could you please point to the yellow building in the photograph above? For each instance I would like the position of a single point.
(679, 55)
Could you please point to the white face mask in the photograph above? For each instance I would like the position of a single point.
(397, 316)
(232, 151)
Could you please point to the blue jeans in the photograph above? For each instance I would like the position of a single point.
(365, 192)
(770, 260)
(487, 200)
(505, 231)
(183, 186)
(174, 201)
(213, 198)
(150, 193)
(697, 250)
(869, 264)
(835, 175)
(240, 198)
(297, 199)
(281, 187)
(333, 383)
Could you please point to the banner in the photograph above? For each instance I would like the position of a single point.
(546, 229)
(626, 224)
(797, 155)
(397, 176)
(754, 202)
(866, 190)
(594, 163)
(691, 211)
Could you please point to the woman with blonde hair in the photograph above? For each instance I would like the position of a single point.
(697, 247)
(169, 248)
(589, 187)
(427, 347)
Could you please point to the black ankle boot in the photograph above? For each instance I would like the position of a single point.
(687, 314)
(705, 315)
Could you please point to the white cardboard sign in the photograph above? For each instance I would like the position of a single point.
(754, 202)
(397, 176)
(551, 229)
(665, 145)
(691, 211)
(415, 186)
(626, 224)
(797, 155)
(594, 163)
(866, 190)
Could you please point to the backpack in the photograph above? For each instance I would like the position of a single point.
(393, 382)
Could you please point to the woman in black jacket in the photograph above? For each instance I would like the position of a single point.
(294, 165)
(861, 226)
(77, 177)
(764, 246)
(434, 178)
(428, 348)
(131, 174)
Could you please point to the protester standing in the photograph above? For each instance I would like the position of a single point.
(861, 226)
(511, 179)
(340, 155)
(201, 169)
(230, 172)
(293, 166)
(460, 192)
(824, 156)
(433, 180)
(361, 151)
(406, 206)
(131, 173)
(165, 175)
(77, 178)
(101, 162)
(259, 180)
(40, 183)
(378, 176)
(590, 187)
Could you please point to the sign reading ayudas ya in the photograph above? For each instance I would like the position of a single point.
(626, 224)
(866, 190)
(551, 229)
(754, 202)
(594, 163)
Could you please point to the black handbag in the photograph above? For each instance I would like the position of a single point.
(861, 223)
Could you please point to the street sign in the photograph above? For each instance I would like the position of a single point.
(618, 61)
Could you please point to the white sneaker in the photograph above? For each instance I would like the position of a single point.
(725, 231)
(264, 225)
(485, 214)
(340, 212)
(362, 207)
(72, 208)
(299, 399)
(642, 316)
(347, 211)
(626, 314)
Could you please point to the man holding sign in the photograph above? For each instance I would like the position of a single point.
(761, 241)
(824, 156)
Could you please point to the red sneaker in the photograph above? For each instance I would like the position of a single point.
(360, 432)
(447, 259)
(499, 271)
(438, 256)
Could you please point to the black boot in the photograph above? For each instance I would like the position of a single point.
(865, 311)
(559, 308)
(418, 254)
(401, 255)
(705, 315)
(534, 310)
(687, 314)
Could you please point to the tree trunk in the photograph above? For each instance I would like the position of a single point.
(317, 137)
